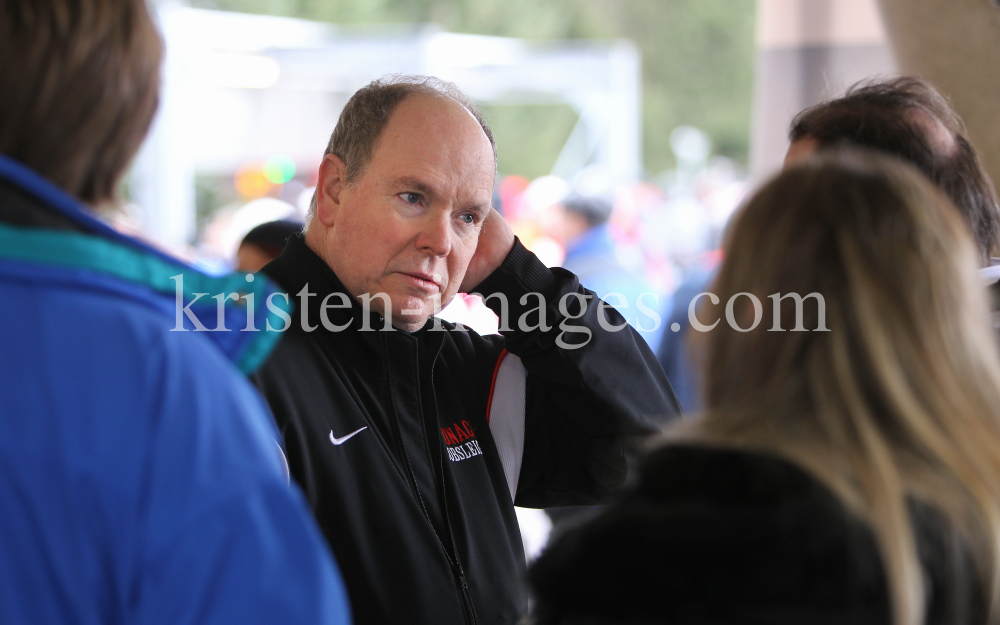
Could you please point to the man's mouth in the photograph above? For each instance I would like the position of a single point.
(423, 281)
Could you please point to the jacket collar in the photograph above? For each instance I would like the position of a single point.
(300, 270)
(61, 233)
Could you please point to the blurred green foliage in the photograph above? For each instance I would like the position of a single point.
(697, 61)
(529, 138)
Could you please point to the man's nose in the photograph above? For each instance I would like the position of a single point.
(436, 236)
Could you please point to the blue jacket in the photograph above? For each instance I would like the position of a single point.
(593, 259)
(140, 480)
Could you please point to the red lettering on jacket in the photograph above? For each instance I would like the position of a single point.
(458, 433)
(449, 437)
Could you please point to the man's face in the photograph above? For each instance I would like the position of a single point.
(409, 226)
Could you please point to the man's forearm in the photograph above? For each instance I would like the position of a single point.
(563, 333)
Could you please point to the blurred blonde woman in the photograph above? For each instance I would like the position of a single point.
(848, 472)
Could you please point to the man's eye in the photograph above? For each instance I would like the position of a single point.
(410, 198)
(468, 219)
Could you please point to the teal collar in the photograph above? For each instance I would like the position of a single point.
(103, 252)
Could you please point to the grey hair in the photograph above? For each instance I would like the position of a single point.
(368, 111)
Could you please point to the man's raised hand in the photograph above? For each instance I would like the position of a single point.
(495, 241)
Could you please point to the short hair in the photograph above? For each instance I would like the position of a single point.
(368, 111)
(904, 117)
(80, 87)
(271, 236)
(594, 208)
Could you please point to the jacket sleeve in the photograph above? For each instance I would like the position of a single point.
(590, 385)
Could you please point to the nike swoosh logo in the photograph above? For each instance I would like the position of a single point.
(343, 439)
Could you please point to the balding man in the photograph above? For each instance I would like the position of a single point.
(413, 438)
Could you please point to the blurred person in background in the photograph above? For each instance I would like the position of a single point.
(907, 118)
(413, 438)
(140, 480)
(844, 473)
(904, 117)
(264, 243)
(590, 254)
(673, 352)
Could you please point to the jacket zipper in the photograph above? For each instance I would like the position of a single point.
(456, 565)
(466, 596)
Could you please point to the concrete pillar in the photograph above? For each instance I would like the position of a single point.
(955, 45)
(808, 51)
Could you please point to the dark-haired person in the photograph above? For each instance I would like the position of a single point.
(907, 118)
(844, 472)
(264, 243)
(903, 117)
(140, 480)
(414, 438)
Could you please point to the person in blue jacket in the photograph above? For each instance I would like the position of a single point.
(591, 255)
(140, 480)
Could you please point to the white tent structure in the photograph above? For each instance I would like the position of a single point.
(241, 87)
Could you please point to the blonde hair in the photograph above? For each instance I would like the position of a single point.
(900, 400)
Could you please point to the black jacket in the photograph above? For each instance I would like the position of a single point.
(712, 536)
(416, 504)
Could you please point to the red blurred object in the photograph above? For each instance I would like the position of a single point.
(511, 194)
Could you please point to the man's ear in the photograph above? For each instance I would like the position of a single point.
(329, 188)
